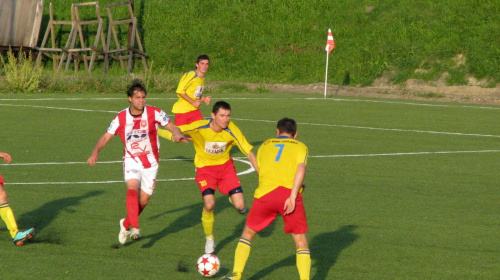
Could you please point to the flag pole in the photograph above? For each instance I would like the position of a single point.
(330, 44)
(326, 72)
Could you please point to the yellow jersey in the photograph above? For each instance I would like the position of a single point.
(191, 85)
(278, 160)
(212, 148)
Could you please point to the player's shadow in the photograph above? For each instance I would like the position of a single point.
(325, 250)
(42, 217)
(188, 220)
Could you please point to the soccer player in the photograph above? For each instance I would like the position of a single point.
(18, 237)
(282, 168)
(137, 127)
(213, 139)
(190, 93)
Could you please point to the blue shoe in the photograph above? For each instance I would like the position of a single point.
(22, 236)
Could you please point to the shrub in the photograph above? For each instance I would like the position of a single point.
(20, 72)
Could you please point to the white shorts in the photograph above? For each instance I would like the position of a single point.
(146, 176)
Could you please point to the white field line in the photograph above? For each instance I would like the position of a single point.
(407, 154)
(335, 99)
(383, 129)
(247, 171)
(314, 124)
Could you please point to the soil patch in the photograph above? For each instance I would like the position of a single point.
(412, 89)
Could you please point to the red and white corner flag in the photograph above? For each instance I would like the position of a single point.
(330, 43)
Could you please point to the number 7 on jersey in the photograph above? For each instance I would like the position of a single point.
(280, 147)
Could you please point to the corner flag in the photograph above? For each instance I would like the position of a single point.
(330, 43)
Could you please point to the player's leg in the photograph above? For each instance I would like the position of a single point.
(230, 184)
(208, 219)
(132, 205)
(147, 186)
(18, 237)
(303, 256)
(206, 178)
(237, 198)
(242, 252)
(6, 213)
(261, 215)
(296, 224)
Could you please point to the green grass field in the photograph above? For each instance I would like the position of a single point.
(395, 190)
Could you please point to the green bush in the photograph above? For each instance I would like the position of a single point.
(20, 73)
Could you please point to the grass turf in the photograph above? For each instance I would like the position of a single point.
(395, 190)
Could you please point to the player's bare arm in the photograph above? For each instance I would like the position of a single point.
(206, 99)
(101, 143)
(253, 160)
(177, 135)
(289, 206)
(6, 157)
(196, 103)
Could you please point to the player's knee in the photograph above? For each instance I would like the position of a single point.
(239, 204)
(237, 198)
(208, 200)
(208, 207)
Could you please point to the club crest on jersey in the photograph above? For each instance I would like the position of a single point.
(215, 148)
(144, 123)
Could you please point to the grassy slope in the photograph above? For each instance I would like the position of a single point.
(283, 41)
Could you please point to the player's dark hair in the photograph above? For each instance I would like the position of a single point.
(287, 125)
(202, 57)
(136, 85)
(220, 104)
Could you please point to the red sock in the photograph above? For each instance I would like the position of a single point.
(126, 222)
(132, 205)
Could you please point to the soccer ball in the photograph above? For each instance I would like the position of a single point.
(208, 265)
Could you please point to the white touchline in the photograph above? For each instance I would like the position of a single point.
(383, 129)
(407, 154)
(314, 124)
(248, 171)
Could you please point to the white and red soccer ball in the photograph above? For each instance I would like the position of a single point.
(208, 265)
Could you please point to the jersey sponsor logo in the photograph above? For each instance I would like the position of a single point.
(136, 135)
(215, 148)
(141, 151)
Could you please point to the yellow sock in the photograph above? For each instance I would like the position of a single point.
(303, 263)
(165, 134)
(240, 257)
(207, 220)
(8, 217)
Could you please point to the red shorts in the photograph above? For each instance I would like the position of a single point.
(222, 177)
(1, 180)
(187, 118)
(265, 209)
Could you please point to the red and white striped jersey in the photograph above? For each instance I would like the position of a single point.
(139, 134)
